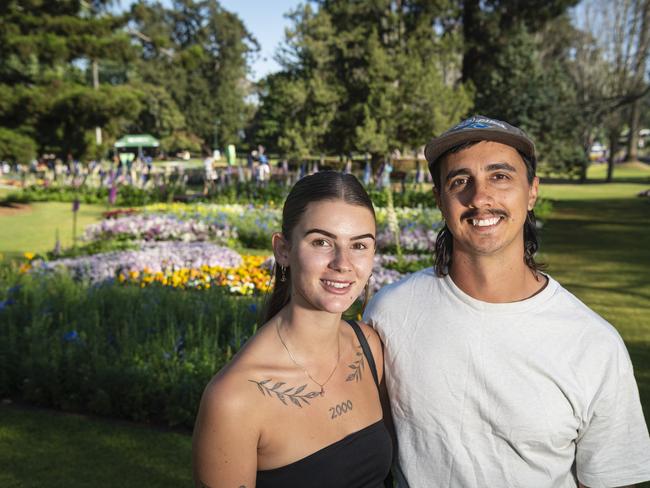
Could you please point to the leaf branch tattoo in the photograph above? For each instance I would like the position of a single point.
(357, 366)
(293, 394)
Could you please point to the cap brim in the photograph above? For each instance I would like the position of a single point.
(440, 145)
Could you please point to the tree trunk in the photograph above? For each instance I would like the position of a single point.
(633, 139)
(639, 74)
(98, 130)
(611, 159)
(471, 35)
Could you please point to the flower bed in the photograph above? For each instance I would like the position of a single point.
(254, 224)
(252, 277)
(159, 228)
(159, 257)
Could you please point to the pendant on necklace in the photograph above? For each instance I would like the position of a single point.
(322, 391)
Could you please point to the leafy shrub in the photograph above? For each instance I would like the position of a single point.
(16, 147)
(142, 354)
(94, 247)
(412, 197)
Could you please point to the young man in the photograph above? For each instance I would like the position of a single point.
(498, 376)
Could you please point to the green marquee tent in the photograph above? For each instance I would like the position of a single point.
(137, 141)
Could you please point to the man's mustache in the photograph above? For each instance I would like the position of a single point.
(472, 213)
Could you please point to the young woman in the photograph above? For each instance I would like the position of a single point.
(299, 405)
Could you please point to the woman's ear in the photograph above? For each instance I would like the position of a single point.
(280, 248)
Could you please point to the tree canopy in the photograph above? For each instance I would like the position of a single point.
(364, 77)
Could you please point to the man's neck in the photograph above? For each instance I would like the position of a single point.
(494, 279)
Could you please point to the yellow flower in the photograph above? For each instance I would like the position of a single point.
(29, 256)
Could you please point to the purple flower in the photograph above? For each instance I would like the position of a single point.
(155, 227)
(71, 336)
(6, 303)
(153, 256)
(112, 195)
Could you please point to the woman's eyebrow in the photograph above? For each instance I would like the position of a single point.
(320, 231)
(333, 236)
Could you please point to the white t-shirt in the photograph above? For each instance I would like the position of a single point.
(524, 394)
(209, 168)
(263, 172)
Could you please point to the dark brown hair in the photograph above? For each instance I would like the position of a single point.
(321, 186)
(445, 240)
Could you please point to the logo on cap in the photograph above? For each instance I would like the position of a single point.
(478, 123)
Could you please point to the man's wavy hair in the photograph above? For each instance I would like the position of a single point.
(445, 240)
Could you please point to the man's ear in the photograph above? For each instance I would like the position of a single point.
(280, 248)
(533, 192)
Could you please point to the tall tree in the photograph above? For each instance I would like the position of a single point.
(198, 52)
(367, 77)
(513, 60)
(606, 67)
(641, 38)
(44, 47)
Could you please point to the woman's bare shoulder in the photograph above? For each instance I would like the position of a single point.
(235, 388)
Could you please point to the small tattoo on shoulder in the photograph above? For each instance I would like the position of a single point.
(340, 409)
(357, 366)
(296, 395)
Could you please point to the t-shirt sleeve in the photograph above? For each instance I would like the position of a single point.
(613, 447)
(372, 315)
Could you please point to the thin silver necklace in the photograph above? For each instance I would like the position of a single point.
(322, 385)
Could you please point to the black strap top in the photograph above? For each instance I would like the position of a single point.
(359, 460)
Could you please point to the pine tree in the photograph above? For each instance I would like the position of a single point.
(45, 95)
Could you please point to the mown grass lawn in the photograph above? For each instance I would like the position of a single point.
(34, 228)
(44, 448)
(624, 171)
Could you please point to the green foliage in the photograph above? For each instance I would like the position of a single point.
(159, 114)
(44, 94)
(412, 197)
(16, 147)
(94, 247)
(142, 354)
(543, 209)
(516, 55)
(181, 141)
(361, 77)
(195, 58)
(197, 53)
(404, 266)
(127, 195)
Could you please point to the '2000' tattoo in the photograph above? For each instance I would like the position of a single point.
(293, 394)
(340, 409)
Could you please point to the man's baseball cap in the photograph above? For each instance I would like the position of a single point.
(480, 128)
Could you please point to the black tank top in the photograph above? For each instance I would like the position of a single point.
(359, 460)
